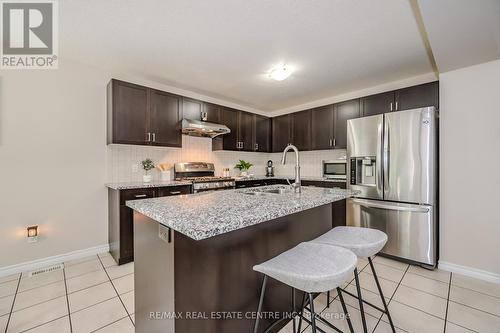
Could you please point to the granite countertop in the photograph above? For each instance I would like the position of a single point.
(134, 185)
(207, 214)
(311, 178)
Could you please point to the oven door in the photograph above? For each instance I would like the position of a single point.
(335, 169)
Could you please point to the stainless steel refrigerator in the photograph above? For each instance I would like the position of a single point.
(392, 161)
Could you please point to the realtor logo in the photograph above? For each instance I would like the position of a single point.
(29, 34)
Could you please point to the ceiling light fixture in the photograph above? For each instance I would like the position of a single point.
(280, 73)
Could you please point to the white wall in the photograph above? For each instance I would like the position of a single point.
(470, 164)
(52, 161)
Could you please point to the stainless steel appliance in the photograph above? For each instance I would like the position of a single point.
(269, 169)
(203, 176)
(335, 169)
(392, 161)
(203, 127)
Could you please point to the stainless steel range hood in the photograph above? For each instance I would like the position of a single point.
(203, 128)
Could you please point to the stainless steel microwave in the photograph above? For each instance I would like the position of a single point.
(335, 169)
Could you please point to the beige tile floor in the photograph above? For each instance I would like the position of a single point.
(95, 295)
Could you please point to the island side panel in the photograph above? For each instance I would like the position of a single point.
(216, 274)
(153, 277)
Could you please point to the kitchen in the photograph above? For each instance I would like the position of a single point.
(149, 166)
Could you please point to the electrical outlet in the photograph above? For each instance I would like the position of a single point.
(163, 233)
(135, 168)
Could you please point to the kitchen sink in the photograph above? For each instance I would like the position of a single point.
(264, 191)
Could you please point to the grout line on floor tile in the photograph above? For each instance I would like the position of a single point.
(97, 270)
(90, 306)
(87, 259)
(40, 286)
(92, 286)
(47, 322)
(116, 291)
(476, 291)
(447, 305)
(67, 301)
(100, 328)
(390, 298)
(471, 307)
(32, 305)
(13, 301)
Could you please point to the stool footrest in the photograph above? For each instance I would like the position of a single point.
(366, 302)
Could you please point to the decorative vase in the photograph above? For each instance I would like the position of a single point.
(243, 173)
(146, 178)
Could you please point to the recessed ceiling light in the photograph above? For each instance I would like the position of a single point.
(280, 73)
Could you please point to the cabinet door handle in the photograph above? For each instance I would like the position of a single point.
(140, 195)
(175, 192)
(256, 146)
(334, 142)
(390, 107)
(154, 137)
(148, 135)
(330, 142)
(396, 106)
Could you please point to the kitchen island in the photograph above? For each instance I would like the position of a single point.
(194, 254)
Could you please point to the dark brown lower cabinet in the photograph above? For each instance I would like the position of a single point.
(121, 218)
(338, 207)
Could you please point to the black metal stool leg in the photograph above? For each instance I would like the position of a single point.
(313, 314)
(301, 312)
(259, 308)
(341, 298)
(294, 309)
(360, 300)
(381, 295)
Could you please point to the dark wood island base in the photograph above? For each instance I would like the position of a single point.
(209, 285)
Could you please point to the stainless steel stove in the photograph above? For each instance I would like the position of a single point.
(203, 176)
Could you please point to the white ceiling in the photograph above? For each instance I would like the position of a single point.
(462, 32)
(223, 48)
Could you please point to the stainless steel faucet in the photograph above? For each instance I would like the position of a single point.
(296, 185)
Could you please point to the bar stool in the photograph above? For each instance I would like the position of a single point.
(311, 268)
(365, 243)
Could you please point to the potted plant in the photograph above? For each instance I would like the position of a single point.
(147, 165)
(243, 167)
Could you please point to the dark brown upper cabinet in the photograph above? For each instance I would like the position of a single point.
(246, 131)
(212, 112)
(249, 132)
(128, 113)
(281, 132)
(301, 130)
(377, 104)
(322, 127)
(143, 116)
(166, 117)
(343, 112)
(191, 108)
(418, 96)
(262, 133)
(229, 117)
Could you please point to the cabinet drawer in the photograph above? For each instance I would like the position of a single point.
(173, 190)
(135, 194)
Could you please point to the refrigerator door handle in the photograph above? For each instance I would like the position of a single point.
(371, 204)
(380, 165)
(385, 155)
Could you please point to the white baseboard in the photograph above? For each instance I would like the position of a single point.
(469, 271)
(44, 262)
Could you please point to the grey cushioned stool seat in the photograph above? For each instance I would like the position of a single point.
(365, 243)
(311, 268)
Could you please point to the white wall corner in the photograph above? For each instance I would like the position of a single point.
(469, 271)
(48, 261)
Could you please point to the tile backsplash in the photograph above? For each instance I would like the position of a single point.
(124, 160)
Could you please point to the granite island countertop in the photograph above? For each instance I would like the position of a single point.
(207, 214)
(302, 178)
